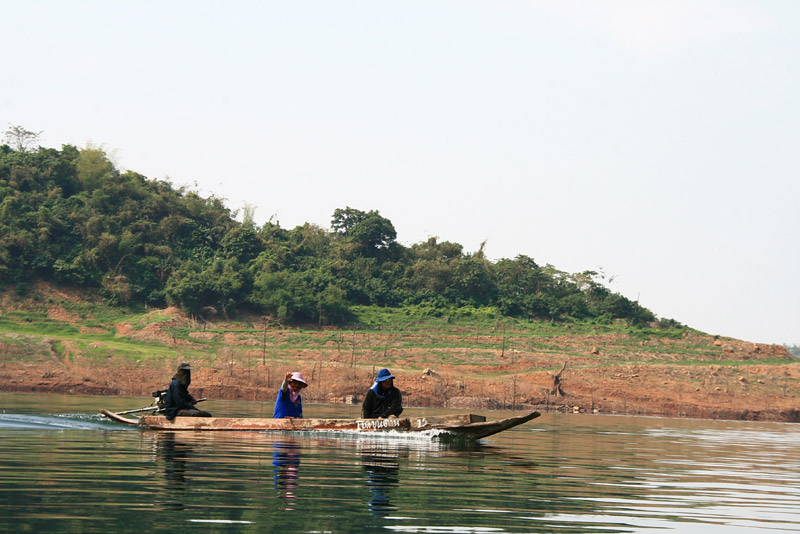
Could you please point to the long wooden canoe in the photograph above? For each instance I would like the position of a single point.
(463, 425)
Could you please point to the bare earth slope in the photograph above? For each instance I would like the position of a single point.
(70, 350)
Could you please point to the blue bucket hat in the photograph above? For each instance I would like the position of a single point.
(383, 374)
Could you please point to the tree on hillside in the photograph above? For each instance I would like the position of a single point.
(344, 219)
(372, 233)
(21, 139)
(432, 249)
(94, 168)
(517, 280)
(473, 282)
(332, 305)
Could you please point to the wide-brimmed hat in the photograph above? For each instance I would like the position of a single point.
(298, 377)
(384, 374)
(184, 366)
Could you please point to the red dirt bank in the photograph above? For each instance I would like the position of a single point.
(746, 384)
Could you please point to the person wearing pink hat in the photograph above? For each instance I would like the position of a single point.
(289, 404)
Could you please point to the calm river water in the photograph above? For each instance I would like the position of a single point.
(64, 469)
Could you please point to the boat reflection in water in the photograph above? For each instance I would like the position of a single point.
(380, 460)
(175, 454)
(286, 467)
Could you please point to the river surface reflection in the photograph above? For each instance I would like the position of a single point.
(286, 460)
(65, 469)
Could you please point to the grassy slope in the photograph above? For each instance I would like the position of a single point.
(54, 340)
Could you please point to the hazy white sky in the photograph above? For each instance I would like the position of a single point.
(656, 141)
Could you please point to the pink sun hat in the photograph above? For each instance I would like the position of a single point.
(298, 377)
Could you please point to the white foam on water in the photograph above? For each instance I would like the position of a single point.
(435, 530)
(384, 435)
(54, 422)
(220, 521)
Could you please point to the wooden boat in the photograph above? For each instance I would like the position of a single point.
(468, 426)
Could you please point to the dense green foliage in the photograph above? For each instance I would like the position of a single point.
(70, 216)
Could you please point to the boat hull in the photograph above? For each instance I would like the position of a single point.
(468, 426)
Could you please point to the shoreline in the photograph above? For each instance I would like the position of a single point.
(110, 380)
(57, 341)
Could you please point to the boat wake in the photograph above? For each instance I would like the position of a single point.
(14, 421)
(433, 436)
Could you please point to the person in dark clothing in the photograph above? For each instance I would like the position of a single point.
(178, 401)
(383, 399)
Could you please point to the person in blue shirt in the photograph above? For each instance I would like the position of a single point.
(383, 399)
(178, 401)
(289, 404)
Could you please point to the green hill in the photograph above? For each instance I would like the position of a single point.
(69, 216)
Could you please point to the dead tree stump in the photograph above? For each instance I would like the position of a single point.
(557, 391)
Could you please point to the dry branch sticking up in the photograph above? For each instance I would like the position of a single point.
(557, 391)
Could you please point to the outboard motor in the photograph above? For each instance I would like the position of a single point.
(160, 398)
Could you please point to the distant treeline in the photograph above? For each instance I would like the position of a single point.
(70, 216)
